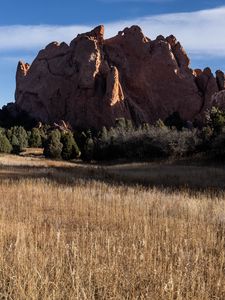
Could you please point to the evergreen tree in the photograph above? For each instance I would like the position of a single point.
(216, 119)
(120, 123)
(53, 146)
(104, 134)
(5, 146)
(129, 125)
(15, 144)
(2, 131)
(88, 149)
(35, 140)
(70, 149)
(20, 134)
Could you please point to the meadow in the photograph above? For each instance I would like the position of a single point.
(126, 231)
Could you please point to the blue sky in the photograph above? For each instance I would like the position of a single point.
(28, 25)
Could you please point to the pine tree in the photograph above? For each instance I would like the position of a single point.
(53, 146)
(88, 149)
(35, 140)
(104, 134)
(70, 149)
(20, 134)
(5, 146)
(120, 123)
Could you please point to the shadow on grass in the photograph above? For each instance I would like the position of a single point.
(169, 176)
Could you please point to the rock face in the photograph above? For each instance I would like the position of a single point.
(93, 81)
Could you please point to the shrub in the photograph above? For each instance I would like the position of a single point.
(53, 147)
(70, 149)
(35, 139)
(5, 146)
(206, 136)
(146, 142)
(16, 149)
(120, 123)
(2, 131)
(216, 119)
(89, 147)
(20, 134)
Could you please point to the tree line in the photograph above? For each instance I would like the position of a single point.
(172, 138)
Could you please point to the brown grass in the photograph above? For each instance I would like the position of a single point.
(64, 237)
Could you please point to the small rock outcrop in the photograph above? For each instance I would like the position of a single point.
(220, 77)
(93, 81)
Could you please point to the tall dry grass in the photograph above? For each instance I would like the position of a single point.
(92, 240)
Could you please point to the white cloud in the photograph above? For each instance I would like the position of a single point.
(21, 37)
(201, 32)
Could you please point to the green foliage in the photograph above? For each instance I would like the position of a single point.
(5, 146)
(216, 119)
(146, 142)
(104, 133)
(81, 139)
(124, 140)
(120, 123)
(86, 144)
(35, 140)
(18, 138)
(53, 146)
(129, 125)
(16, 149)
(89, 147)
(2, 131)
(70, 149)
(206, 136)
(44, 130)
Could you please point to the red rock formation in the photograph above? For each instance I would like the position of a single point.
(220, 77)
(93, 81)
(207, 86)
(218, 99)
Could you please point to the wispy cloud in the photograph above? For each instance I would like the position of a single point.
(20, 37)
(200, 32)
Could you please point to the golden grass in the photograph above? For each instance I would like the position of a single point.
(71, 238)
(95, 241)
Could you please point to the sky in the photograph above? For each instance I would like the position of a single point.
(26, 26)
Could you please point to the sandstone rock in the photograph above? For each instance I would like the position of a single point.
(93, 81)
(114, 92)
(207, 86)
(218, 99)
(178, 51)
(220, 77)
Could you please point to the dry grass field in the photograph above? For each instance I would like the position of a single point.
(73, 231)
